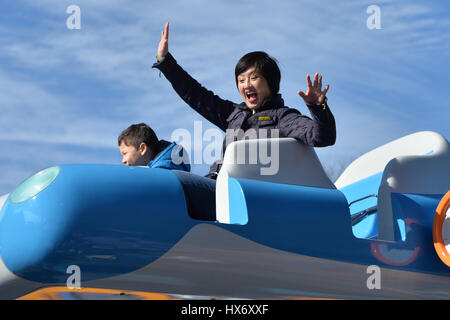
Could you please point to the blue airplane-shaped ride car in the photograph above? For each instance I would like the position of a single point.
(380, 231)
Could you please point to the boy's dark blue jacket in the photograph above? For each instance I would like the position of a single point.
(319, 131)
(169, 153)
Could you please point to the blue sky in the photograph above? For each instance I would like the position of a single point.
(65, 95)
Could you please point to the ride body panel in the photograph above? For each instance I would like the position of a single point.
(362, 195)
(293, 218)
(128, 228)
(106, 219)
(298, 220)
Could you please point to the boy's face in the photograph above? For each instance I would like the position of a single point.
(132, 156)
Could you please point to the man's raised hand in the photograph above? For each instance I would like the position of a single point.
(163, 47)
(314, 93)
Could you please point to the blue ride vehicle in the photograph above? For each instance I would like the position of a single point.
(282, 231)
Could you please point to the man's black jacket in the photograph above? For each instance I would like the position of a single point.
(320, 131)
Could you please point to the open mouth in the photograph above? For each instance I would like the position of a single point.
(251, 97)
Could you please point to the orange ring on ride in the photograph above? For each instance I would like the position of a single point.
(438, 223)
(377, 247)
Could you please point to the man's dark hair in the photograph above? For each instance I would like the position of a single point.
(263, 63)
(135, 134)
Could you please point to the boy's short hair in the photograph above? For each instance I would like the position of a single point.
(263, 63)
(135, 134)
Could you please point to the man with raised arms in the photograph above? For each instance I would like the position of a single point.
(257, 78)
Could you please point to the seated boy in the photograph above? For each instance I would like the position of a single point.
(140, 146)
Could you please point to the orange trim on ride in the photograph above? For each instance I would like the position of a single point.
(438, 222)
(309, 298)
(54, 293)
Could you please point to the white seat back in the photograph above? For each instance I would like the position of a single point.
(417, 144)
(418, 163)
(281, 160)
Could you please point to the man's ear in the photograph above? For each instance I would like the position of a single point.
(143, 149)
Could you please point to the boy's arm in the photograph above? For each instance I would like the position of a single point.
(204, 101)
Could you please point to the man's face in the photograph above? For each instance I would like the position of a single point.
(132, 156)
(253, 88)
